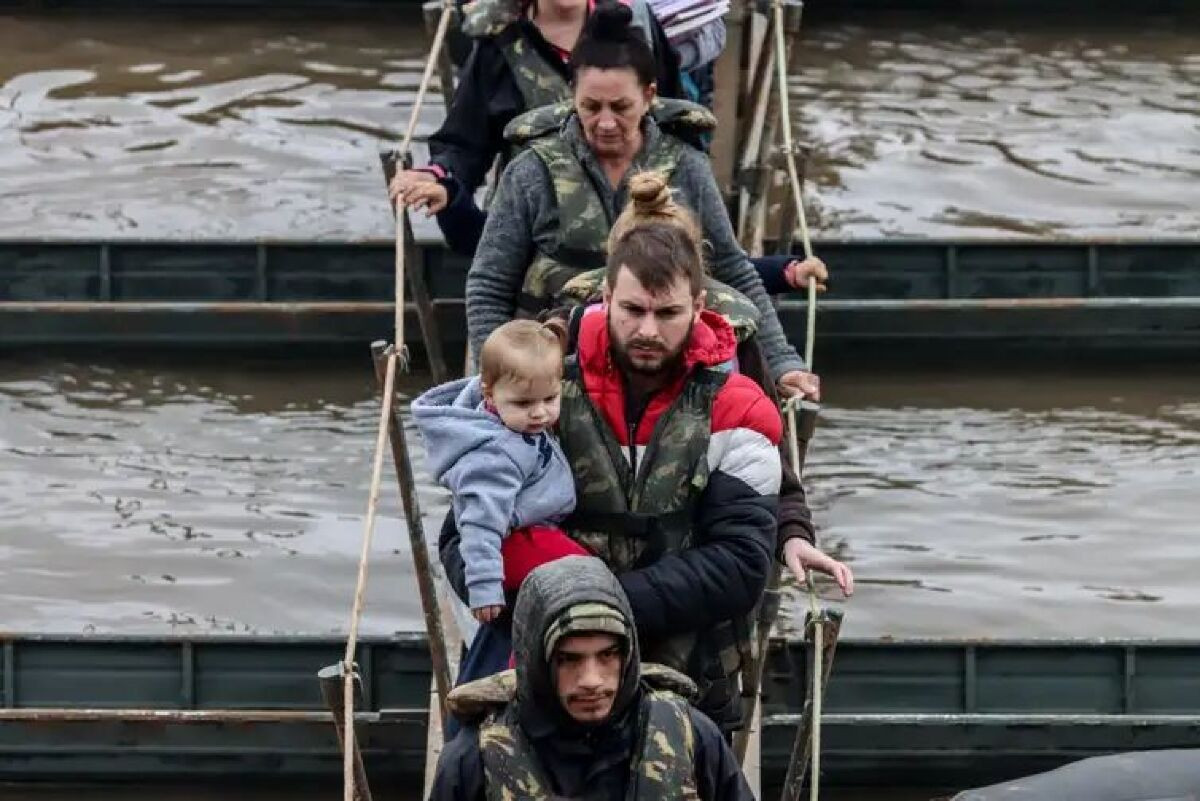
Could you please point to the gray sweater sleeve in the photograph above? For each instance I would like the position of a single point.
(729, 262)
(505, 249)
(484, 484)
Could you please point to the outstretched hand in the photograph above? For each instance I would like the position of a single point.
(800, 555)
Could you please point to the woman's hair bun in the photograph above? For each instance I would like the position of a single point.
(610, 21)
(611, 41)
(650, 193)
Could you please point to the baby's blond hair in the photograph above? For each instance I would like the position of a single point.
(522, 351)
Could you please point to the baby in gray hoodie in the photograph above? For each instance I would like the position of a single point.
(489, 440)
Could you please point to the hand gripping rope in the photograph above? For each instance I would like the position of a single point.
(791, 407)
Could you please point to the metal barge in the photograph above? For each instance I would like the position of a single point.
(917, 713)
(953, 296)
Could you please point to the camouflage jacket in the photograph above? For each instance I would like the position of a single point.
(663, 761)
(662, 765)
(652, 736)
(523, 221)
(583, 219)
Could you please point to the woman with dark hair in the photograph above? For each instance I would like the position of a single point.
(557, 200)
(519, 62)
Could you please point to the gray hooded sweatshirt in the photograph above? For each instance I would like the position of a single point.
(500, 479)
(524, 215)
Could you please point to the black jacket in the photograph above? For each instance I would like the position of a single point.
(709, 588)
(795, 518)
(718, 777)
(674, 594)
(487, 98)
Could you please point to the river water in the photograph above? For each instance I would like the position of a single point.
(150, 496)
(244, 127)
(163, 495)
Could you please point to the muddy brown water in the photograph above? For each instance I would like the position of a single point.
(229, 497)
(250, 126)
(144, 496)
(190, 497)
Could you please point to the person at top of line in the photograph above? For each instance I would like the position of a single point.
(518, 62)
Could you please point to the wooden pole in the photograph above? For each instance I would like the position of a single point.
(754, 142)
(332, 679)
(768, 152)
(426, 311)
(438, 653)
(822, 631)
(768, 610)
(728, 79)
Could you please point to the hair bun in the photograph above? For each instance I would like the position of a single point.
(650, 194)
(610, 21)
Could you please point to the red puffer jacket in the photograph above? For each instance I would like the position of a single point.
(722, 576)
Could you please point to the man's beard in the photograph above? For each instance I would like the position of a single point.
(668, 363)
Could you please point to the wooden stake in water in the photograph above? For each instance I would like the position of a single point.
(352, 769)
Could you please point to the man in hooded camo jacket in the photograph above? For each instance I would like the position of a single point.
(582, 717)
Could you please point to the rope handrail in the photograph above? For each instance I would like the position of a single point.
(396, 358)
(791, 406)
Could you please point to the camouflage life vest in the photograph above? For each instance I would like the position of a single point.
(539, 85)
(663, 765)
(633, 515)
(485, 18)
(582, 219)
(538, 82)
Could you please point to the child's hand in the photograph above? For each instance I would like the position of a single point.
(797, 273)
(487, 614)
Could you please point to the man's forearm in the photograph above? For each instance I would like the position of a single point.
(731, 266)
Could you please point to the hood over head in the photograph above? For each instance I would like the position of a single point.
(573, 595)
(452, 423)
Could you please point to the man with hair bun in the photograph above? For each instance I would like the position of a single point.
(674, 454)
(652, 202)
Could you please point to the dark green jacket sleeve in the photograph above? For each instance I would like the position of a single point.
(718, 775)
(459, 775)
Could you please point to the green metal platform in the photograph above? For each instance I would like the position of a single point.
(922, 295)
(915, 713)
